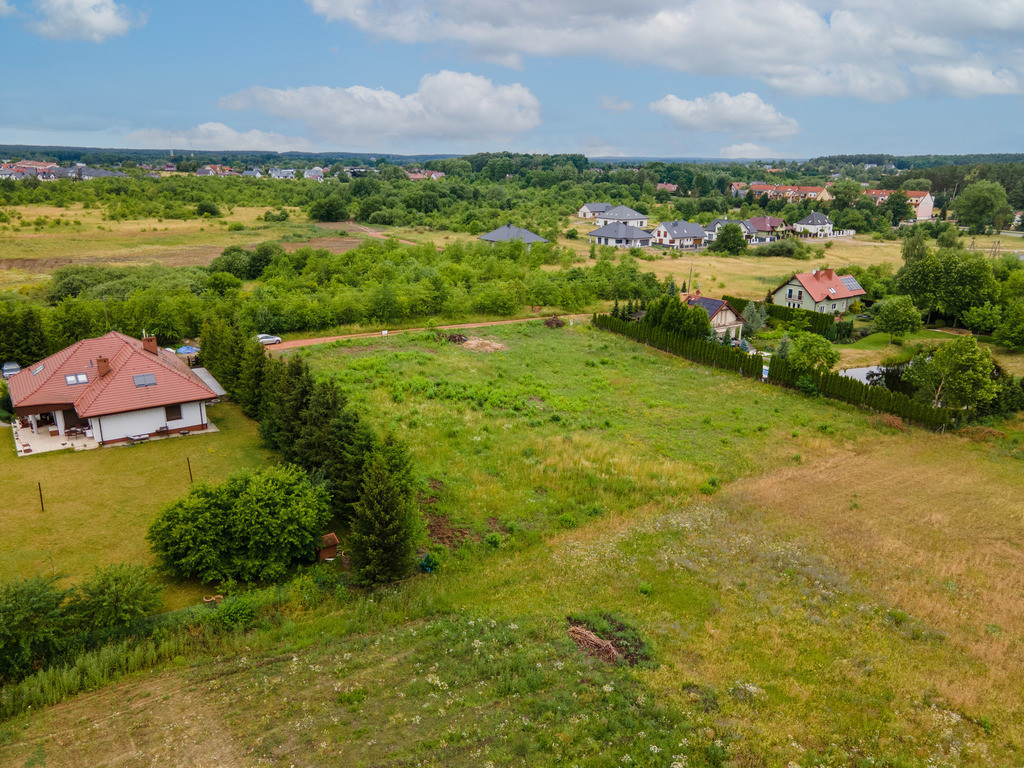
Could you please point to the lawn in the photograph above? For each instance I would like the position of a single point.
(843, 593)
(99, 503)
(876, 348)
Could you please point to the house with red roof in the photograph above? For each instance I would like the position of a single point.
(921, 201)
(821, 290)
(111, 389)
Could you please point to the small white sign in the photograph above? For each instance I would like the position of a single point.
(383, 333)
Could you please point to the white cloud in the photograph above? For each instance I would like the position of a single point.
(612, 104)
(446, 106)
(92, 20)
(214, 136)
(966, 80)
(746, 150)
(744, 115)
(869, 49)
(6, 9)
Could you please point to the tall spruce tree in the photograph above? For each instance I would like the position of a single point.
(386, 524)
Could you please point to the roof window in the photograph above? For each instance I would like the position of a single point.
(76, 378)
(145, 379)
(38, 369)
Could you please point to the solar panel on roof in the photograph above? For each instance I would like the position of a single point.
(851, 283)
(145, 379)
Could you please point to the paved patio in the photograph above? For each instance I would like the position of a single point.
(28, 443)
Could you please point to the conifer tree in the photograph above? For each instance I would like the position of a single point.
(386, 522)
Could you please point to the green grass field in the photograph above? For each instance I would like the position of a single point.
(99, 503)
(843, 594)
(817, 589)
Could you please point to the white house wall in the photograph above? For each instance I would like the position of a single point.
(118, 426)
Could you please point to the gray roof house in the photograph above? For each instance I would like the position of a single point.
(814, 224)
(679, 234)
(508, 233)
(621, 213)
(713, 228)
(621, 236)
(589, 210)
(254, 173)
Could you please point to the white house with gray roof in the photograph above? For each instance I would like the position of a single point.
(622, 214)
(679, 234)
(715, 227)
(814, 225)
(621, 236)
(590, 210)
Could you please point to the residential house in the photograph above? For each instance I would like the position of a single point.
(622, 214)
(790, 193)
(170, 168)
(738, 188)
(721, 313)
(282, 173)
(590, 210)
(712, 229)
(679, 234)
(922, 202)
(111, 389)
(316, 173)
(253, 173)
(815, 224)
(621, 236)
(508, 233)
(821, 290)
(768, 228)
(673, 188)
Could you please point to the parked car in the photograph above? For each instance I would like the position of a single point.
(266, 338)
(10, 369)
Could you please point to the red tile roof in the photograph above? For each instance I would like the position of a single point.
(824, 284)
(114, 392)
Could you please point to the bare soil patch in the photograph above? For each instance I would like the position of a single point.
(483, 345)
(604, 637)
(441, 530)
(332, 244)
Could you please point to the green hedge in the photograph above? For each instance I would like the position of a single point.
(698, 350)
(832, 385)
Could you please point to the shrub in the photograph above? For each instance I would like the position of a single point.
(34, 625)
(236, 226)
(116, 599)
(207, 208)
(252, 527)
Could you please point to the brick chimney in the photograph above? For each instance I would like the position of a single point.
(102, 367)
(697, 293)
(149, 344)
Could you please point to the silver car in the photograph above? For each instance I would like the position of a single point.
(266, 338)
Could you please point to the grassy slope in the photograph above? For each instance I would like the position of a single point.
(99, 503)
(850, 596)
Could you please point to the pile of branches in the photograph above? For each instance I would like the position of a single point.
(592, 645)
(454, 338)
(554, 322)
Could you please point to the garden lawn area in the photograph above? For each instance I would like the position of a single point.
(99, 503)
(876, 348)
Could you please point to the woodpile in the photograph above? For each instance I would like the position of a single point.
(592, 645)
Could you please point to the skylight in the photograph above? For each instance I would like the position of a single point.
(145, 379)
(76, 378)
(38, 369)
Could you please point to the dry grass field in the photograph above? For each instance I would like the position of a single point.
(82, 236)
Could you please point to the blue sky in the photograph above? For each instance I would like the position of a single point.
(662, 78)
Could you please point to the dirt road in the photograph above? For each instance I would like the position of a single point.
(296, 343)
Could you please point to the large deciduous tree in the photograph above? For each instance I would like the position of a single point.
(957, 374)
(982, 204)
(730, 240)
(898, 316)
(811, 352)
